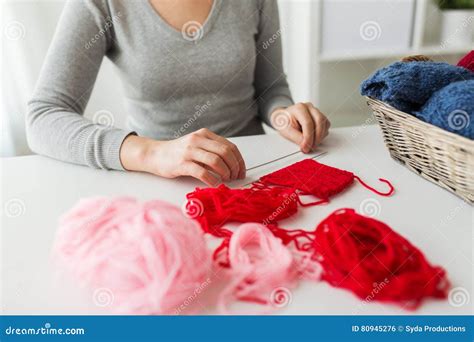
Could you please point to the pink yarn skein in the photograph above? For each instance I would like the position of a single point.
(149, 256)
(262, 269)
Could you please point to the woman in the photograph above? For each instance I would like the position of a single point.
(220, 56)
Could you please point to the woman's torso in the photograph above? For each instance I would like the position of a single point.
(176, 83)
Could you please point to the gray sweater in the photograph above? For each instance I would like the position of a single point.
(227, 76)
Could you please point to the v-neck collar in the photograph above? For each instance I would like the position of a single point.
(203, 29)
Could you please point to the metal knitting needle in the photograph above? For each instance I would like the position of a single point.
(272, 161)
(283, 157)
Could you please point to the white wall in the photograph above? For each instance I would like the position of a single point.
(28, 27)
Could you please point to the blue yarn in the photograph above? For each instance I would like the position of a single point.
(451, 108)
(408, 85)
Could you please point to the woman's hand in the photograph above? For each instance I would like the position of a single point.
(201, 154)
(302, 124)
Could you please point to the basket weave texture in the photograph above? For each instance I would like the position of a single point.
(442, 157)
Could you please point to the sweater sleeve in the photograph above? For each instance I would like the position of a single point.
(271, 87)
(55, 124)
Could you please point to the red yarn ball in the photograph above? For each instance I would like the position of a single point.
(368, 258)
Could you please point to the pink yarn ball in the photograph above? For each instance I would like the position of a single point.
(147, 257)
(262, 269)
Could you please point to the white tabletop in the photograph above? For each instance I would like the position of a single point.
(436, 221)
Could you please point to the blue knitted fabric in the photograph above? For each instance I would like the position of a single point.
(408, 85)
(451, 108)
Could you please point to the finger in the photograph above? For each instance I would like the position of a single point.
(234, 148)
(322, 124)
(233, 157)
(326, 132)
(211, 161)
(199, 172)
(304, 118)
(225, 153)
(292, 134)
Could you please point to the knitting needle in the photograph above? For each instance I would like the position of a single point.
(280, 158)
(272, 161)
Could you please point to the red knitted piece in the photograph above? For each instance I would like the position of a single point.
(467, 61)
(368, 258)
(214, 207)
(313, 178)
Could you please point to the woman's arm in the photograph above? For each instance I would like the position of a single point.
(56, 127)
(301, 123)
(54, 122)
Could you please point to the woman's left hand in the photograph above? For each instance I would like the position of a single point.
(302, 124)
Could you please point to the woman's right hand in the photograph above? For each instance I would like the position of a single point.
(202, 154)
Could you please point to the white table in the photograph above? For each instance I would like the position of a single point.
(431, 218)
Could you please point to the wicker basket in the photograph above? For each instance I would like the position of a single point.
(442, 157)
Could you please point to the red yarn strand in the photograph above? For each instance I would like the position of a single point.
(386, 194)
